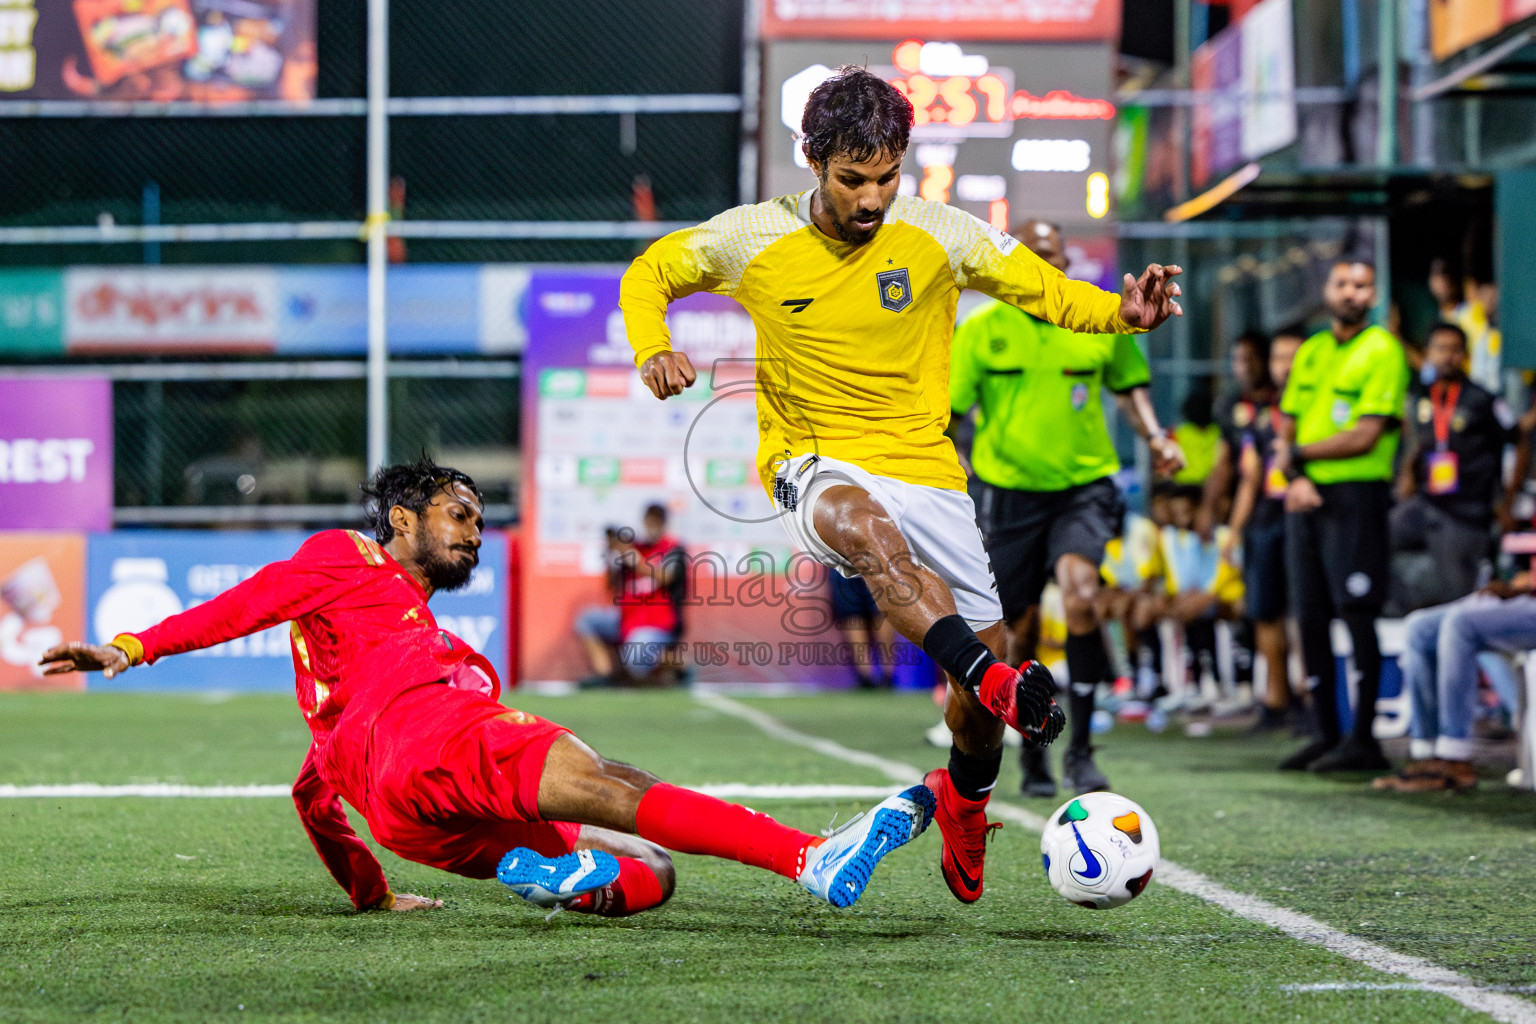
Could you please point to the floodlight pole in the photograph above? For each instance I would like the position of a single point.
(374, 230)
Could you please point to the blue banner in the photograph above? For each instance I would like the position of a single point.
(433, 310)
(136, 579)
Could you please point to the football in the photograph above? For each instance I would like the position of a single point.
(1099, 850)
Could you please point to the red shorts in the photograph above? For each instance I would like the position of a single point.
(453, 781)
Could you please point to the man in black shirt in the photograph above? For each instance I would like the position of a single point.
(1236, 411)
(1449, 477)
(1258, 518)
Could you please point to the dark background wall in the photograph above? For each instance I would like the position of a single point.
(515, 168)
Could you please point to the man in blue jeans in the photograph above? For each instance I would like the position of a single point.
(1440, 669)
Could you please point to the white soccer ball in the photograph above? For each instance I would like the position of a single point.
(1100, 850)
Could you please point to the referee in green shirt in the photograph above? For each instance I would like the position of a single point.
(1043, 460)
(1343, 407)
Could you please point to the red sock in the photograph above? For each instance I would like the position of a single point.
(637, 888)
(690, 822)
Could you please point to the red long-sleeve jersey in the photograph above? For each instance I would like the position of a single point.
(361, 633)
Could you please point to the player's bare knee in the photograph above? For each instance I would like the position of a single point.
(637, 779)
(660, 863)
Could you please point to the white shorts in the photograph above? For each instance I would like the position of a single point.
(938, 524)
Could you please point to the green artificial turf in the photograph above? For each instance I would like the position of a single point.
(190, 909)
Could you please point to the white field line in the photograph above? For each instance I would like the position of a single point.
(1429, 976)
(1396, 986)
(150, 789)
(894, 770)
(723, 790)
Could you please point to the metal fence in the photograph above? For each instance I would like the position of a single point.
(285, 442)
(520, 133)
(509, 161)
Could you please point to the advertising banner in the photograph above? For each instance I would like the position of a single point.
(55, 453)
(42, 604)
(602, 448)
(431, 309)
(1455, 25)
(136, 579)
(1269, 79)
(1216, 142)
(208, 51)
(434, 309)
(1248, 72)
(1003, 20)
(31, 312)
(170, 309)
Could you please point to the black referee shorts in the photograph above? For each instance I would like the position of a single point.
(1027, 531)
(1338, 555)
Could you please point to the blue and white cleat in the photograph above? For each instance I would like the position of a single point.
(839, 868)
(555, 881)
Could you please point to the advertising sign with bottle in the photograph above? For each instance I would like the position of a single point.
(42, 584)
(137, 579)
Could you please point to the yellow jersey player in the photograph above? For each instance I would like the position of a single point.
(852, 290)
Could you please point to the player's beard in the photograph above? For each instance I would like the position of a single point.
(847, 229)
(446, 568)
(1350, 315)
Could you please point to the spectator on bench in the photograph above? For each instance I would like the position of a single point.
(1440, 668)
(1449, 476)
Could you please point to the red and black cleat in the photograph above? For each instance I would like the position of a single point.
(1022, 698)
(963, 824)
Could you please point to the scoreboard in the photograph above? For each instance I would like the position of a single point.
(1006, 131)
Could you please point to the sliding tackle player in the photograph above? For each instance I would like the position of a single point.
(407, 728)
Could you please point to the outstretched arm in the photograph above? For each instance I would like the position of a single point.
(277, 593)
(347, 857)
(998, 265)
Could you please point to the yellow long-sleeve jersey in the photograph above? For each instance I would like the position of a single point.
(853, 340)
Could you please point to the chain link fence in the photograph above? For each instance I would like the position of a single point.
(295, 449)
(246, 442)
(69, 171)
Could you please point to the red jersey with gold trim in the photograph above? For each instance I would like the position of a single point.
(360, 627)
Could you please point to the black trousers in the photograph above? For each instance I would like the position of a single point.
(1338, 558)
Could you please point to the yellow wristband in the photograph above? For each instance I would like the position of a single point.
(129, 645)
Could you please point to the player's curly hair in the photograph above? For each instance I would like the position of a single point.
(411, 484)
(855, 113)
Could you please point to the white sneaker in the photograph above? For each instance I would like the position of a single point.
(839, 867)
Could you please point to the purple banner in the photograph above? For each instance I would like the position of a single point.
(1216, 144)
(55, 454)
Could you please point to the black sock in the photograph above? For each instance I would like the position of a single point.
(958, 651)
(1362, 632)
(1087, 665)
(1317, 654)
(974, 777)
(1242, 651)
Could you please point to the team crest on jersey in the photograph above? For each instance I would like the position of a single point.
(895, 289)
(1079, 395)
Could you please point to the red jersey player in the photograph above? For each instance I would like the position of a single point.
(407, 728)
